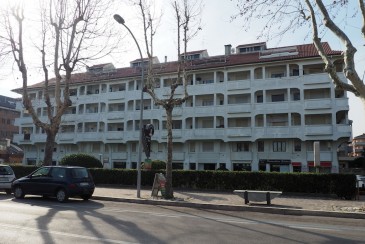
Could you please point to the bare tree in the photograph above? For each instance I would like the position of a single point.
(187, 16)
(68, 37)
(287, 16)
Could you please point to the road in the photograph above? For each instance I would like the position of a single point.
(37, 220)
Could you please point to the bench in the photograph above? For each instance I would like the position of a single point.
(257, 196)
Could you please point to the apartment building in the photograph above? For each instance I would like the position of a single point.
(8, 114)
(252, 108)
(358, 146)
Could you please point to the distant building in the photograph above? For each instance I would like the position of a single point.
(358, 146)
(8, 114)
(253, 108)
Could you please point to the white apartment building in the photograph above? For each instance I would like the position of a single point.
(253, 108)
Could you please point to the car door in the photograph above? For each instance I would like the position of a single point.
(38, 183)
(58, 178)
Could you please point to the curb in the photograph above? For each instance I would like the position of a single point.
(263, 209)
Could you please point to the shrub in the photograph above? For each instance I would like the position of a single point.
(156, 165)
(83, 160)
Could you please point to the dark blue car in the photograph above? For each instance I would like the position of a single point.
(61, 182)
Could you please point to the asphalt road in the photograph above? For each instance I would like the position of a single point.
(37, 220)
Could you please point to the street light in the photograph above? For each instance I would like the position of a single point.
(121, 21)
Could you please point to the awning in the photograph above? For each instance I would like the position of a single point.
(298, 164)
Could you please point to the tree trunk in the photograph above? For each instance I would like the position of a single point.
(48, 150)
(169, 191)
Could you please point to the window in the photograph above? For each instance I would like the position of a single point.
(277, 98)
(192, 146)
(58, 173)
(208, 147)
(41, 172)
(208, 103)
(297, 146)
(134, 147)
(259, 98)
(260, 146)
(278, 75)
(279, 146)
(296, 96)
(242, 147)
(295, 72)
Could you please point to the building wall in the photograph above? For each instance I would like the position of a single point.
(251, 117)
(8, 114)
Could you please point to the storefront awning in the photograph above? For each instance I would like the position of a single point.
(297, 164)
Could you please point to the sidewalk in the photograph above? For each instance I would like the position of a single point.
(295, 205)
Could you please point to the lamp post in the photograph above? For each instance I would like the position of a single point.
(121, 21)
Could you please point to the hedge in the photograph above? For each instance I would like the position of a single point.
(343, 185)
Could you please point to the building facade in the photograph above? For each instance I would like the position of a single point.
(8, 114)
(358, 146)
(256, 108)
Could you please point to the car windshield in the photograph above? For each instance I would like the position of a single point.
(6, 170)
(79, 173)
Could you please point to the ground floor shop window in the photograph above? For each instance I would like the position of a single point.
(297, 168)
(262, 166)
(242, 167)
(177, 166)
(120, 165)
(209, 166)
(31, 161)
(192, 166)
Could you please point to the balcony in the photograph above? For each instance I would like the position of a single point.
(89, 136)
(176, 133)
(38, 138)
(113, 135)
(316, 130)
(207, 157)
(239, 132)
(208, 110)
(241, 156)
(178, 156)
(324, 103)
(207, 133)
(115, 115)
(119, 155)
(65, 137)
(238, 85)
(342, 103)
(315, 79)
(238, 108)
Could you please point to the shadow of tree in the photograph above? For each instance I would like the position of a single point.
(90, 218)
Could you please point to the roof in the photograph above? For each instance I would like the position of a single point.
(194, 52)
(360, 136)
(252, 44)
(7, 102)
(303, 51)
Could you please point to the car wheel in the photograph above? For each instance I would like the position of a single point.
(61, 195)
(18, 192)
(8, 191)
(86, 197)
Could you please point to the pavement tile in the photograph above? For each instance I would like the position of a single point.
(326, 204)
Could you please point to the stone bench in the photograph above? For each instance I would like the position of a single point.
(257, 196)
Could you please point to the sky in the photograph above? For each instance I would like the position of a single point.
(217, 31)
